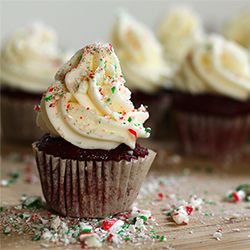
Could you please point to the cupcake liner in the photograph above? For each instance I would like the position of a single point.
(90, 188)
(18, 119)
(210, 136)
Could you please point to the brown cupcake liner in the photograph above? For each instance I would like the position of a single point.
(18, 119)
(210, 136)
(90, 189)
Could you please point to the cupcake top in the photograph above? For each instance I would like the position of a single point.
(88, 104)
(238, 28)
(215, 66)
(30, 58)
(140, 54)
(177, 31)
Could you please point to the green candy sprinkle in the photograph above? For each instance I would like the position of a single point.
(49, 98)
(86, 230)
(162, 238)
(144, 217)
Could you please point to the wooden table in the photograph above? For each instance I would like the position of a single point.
(173, 176)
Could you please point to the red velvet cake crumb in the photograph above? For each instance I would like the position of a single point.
(58, 147)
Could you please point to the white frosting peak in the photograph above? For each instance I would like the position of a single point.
(31, 57)
(88, 105)
(177, 31)
(216, 66)
(238, 28)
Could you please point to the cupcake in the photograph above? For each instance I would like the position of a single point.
(211, 107)
(238, 28)
(89, 162)
(29, 60)
(147, 74)
(177, 30)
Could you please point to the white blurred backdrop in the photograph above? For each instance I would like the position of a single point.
(79, 23)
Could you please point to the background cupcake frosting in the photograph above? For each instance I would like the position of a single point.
(178, 29)
(30, 58)
(215, 66)
(140, 54)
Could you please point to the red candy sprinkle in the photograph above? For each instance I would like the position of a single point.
(133, 133)
(109, 237)
(236, 196)
(160, 195)
(189, 209)
(84, 245)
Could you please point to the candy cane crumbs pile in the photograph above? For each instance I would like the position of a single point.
(135, 227)
(27, 219)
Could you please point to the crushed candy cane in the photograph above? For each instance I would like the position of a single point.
(180, 215)
(182, 209)
(195, 202)
(217, 235)
(112, 225)
(91, 233)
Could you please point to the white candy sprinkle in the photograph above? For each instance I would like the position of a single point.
(180, 216)
(84, 226)
(217, 235)
(93, 241)
(55, 223)
(4, 183)
(195, 202)
(116, 227)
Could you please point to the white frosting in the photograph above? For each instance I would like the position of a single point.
(89, 106)
(30, 58)
(177, 31)
(140, 54)
(238, 28)
(216, 66)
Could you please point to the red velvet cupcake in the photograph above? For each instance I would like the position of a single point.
(89, 162)
(30, 58)
(211, 107)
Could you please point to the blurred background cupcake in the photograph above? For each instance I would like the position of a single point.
(237, 28)
(177, 30)
(211, 107)
(147, 74)
(30, 58)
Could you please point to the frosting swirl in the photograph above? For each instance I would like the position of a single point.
(238, 28)
(30, 58)
(216, 66)
(177, 31)
(140, 55)
(88, 104)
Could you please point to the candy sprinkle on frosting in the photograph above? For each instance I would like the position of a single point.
(88, 89)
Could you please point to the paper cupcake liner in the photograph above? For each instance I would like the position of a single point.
(18, 119)
(210, 136)
(90, 189)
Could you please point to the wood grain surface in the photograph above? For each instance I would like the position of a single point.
(183, 176)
